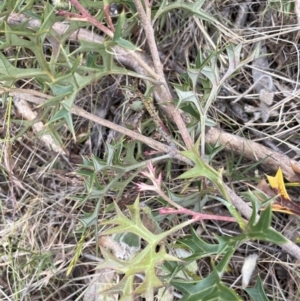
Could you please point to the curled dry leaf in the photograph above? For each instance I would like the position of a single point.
(101, 281)
(266, 99)
(283, 203)
(263, 84)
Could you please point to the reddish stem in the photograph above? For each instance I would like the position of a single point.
(86, 16)
(196, 215)
(108, 18)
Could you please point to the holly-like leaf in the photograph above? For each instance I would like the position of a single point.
(210, 288)
(257, 293)
(118, 34)
(9, 73)
(64, 113)
(262, 228)
(91, 218)
(145, 262)
(202, 169)
(199, 247)
(134, 225)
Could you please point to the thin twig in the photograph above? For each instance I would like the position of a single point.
(163, 89)
(255, 152)
(108, 18)
(158, 67)
(82, 113)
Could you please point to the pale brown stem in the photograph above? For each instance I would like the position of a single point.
(80, 112)
(255, 152)
(163, 89)
(108, 18)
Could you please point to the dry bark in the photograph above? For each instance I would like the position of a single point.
(255, 152)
